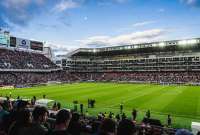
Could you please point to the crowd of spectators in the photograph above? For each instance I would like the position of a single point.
(149, 77)
(15, 59)
(24, 118)
(23, 60)
(31, 78)
(23, 78)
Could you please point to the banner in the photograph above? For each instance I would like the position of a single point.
(23, 43)
(6, 87)
(4, 39)
(36, 45)
(12, 41)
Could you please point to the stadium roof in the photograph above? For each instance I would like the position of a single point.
(127, 49)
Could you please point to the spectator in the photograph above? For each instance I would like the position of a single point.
(2, 113)
(183, 132)
(22, 125)
(40, 115)
(63, 118)
(126, 127)
(108, 127)
(33, 100)
(75, 125)
(54, 107)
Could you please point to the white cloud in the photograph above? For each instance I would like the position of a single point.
(16, 4)
(133, 26)
(120, 1)
(195, 3)
(20, 12)
(20, 4)
(40, 2)
(110, 2)
(189, 1)
(143, 23)
(103, 40)
(161, 10)
(58, 49)
(66, 4)
(135, 37)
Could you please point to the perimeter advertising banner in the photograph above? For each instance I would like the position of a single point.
(4, 40)
(23, 43)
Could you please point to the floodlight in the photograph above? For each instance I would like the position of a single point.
(129, 47)
(182, 42)
(154, 45)
(192, 41)
(94, 50)
(161, 44)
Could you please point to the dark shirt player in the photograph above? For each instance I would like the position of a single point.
(134, 114)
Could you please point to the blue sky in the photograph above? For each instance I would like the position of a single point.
(69, 24)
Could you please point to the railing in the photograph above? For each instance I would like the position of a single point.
(30, 70)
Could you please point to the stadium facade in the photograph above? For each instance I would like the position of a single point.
(176, 55)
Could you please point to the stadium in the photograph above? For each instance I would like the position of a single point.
(99, 67)
(157, 81)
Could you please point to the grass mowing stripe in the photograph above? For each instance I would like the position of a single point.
(118, 96)
(185, 103)
(83, 92)
(159, 102)
(144, 97)
(133, 93)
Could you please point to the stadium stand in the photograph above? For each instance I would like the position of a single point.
(167, 62)
(15, 59)
(33, 78)
(19, 67)
(15, 119)
(192, 78)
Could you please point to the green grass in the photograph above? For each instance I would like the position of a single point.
(182, 102)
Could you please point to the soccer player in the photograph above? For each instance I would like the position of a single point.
(121, 108)
(148, 114)
(134, 114)
(169, 121)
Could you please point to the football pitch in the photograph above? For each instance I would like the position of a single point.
(181, 102)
